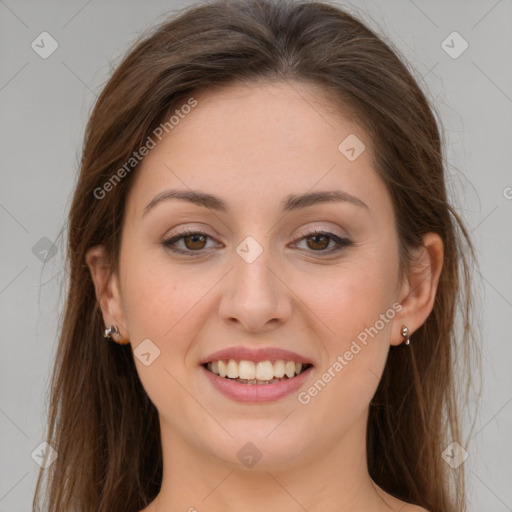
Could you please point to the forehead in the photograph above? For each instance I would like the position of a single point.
(254, 143)
(250, 118)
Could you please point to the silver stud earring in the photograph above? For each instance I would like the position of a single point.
(113, 333)
(405, 334)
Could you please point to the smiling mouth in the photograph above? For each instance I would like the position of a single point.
(256, 373)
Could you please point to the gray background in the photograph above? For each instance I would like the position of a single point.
(45, 104)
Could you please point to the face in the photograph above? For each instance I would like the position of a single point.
(264, 276)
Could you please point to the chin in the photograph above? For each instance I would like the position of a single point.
(257, 448)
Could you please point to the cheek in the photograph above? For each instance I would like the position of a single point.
(356, 306)
(352, 295)
(166, 305)
(157, 293)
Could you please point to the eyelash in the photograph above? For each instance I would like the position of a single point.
(341, 242)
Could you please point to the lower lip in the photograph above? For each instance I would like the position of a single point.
(256, 392)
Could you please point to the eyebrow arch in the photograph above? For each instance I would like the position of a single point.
(291, 202)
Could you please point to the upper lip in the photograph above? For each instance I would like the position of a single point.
(255, 354)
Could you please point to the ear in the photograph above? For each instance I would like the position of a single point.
(419, 288)
(106, 284)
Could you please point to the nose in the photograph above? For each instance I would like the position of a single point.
(255, 295)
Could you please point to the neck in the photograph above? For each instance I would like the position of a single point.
(335, 479)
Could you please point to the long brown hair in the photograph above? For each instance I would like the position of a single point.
(101, 422)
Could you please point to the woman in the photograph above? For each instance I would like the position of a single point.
(264, 277)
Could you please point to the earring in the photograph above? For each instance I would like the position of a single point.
(113, 333)
(405, 334)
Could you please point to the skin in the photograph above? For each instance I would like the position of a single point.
(252, 145)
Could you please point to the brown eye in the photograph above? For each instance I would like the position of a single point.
(197, 241)
(193, 243)
(320, 242)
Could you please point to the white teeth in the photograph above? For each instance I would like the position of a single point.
(265, 371)
(279, 368)
(223, 370)
(232, 369)
(246, 370)
(290, 369)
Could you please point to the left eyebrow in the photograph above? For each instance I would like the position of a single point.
(295, 202)
(291, 202)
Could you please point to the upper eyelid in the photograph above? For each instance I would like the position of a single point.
(199, 230)
(176, 237)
